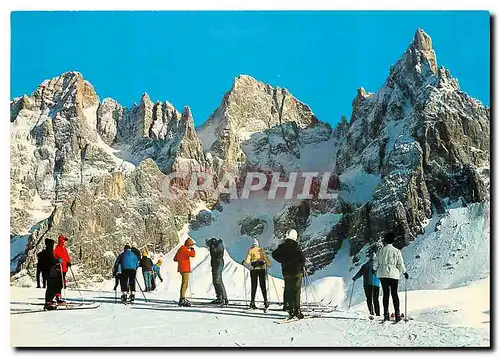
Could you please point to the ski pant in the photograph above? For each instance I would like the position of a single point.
(371, 293)
(52, 287)
(220, 290)
(390, 286)
(39, 272)
(261, 276)
(184, 284)
(117, 280)
(293, 284)
(148, 276)
(127, 280)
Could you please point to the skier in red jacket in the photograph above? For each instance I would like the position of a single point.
(63, 262)
(182, 257)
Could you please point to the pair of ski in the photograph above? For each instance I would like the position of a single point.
(68, 306)
(295, 319)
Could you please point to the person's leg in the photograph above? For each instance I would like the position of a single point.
(262, 283)
(385, 298)
(50, 293)
(288, 294)
(297, 288)
(117, 281)
(253, 282)
(147, 280)
(38, 273)
(124, 282)
(59, 286)
(44, 278)
(131, 281)
(368, 295)
(184, 284)
(222, 288)
(215, 283)
(375, 293)
(394, 294)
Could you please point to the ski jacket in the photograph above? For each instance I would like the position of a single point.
(291, 257)
(156, 271)
(61, 252)
(216, 248)
(146, 264)
(182, 257)
(129, 260)
(389, 263)
(44, 259)
(369, 278)
(257, 259)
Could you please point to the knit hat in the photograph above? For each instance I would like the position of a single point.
(127, 246)
(255, 242)
(48, 242)
(189, 242)
(61, 239)
(144, 253)
(159, 262)
(292, 234)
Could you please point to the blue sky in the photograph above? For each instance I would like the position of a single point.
(191, 58)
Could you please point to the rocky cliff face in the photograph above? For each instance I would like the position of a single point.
(94, 170)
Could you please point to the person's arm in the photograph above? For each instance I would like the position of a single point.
(266, 259)
(159, 274)
(401, 264)
(246, 261)
(359, 273)
(277, 254)
(176, 256)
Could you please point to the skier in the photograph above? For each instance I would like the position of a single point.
(389, 266)
(117, 274)
(371, 284)
(259, 262)
(292, 261)
(53, 282)
(43, 263)
(63, 263)
(146, 265)
(216, 247)
(182, 257)
(156, 272)
(129, 263)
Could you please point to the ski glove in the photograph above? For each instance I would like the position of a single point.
(59, 261)
(406, 275)
(68, 264)
(353, 279)
(161, 280)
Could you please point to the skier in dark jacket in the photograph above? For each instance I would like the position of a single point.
(216, 248)
(43, 263)
(292, 261)
(128, 262)
(371, 284)
(51, 274)
(146, 265)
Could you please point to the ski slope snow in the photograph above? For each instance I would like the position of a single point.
(448, 307)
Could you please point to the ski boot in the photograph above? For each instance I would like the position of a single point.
(266, 305)
(216, 301)
(224, 302)
(387, 317)
(183, 302)
(132, 299)
(60, 300)
(298, 314)
(49, 305)
(124, 298)
(252, 305)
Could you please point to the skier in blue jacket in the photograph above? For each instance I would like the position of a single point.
(128, 263)
(371, 283)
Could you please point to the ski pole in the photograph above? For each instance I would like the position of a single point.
(276, 291)
(76, 282)
(245, 283)
(115, 296)
(406, 302)
(139, 285)
(352, 290)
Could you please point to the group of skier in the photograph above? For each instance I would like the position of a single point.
(53, 264)
(382, 269)
(125, 272)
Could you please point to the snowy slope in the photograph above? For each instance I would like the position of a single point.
(456, 316)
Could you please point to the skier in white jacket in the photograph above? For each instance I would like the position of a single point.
(389, 266)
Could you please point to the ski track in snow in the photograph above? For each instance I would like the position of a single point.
(452, 310)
